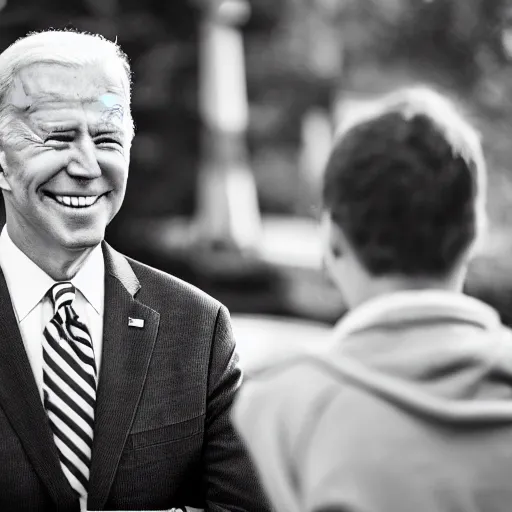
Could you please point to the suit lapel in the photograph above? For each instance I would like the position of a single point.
(21, 402)
(125, 361)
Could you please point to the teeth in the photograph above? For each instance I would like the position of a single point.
(77, 201)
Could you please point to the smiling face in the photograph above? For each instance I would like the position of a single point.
(64, 151)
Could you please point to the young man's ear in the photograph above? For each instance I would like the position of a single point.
(336, 241)
(4, 184)
(336, 251)
(332, 237)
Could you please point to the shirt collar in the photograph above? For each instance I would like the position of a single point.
(28, 283)
(415, 306)
(90, 279)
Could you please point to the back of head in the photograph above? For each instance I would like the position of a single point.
(61, 47)
(406, 185)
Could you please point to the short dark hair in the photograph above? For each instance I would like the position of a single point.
(405, 185)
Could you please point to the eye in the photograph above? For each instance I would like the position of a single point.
(59, 139)
(107, 141)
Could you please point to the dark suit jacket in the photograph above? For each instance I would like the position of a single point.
(162, 434)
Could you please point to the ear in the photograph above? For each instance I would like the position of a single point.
(4, 184)
(332, 237)
(336, 241)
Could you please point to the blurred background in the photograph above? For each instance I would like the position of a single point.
(235, 102)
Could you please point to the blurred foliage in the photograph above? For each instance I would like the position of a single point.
(438, 37)
(461, 47)
(456, 41)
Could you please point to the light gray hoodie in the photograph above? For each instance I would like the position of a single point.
(408, 410)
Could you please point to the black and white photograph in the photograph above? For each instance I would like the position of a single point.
(256, 255)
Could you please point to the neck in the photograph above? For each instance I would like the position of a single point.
(60, 264)
(376, 287)
(65, 267)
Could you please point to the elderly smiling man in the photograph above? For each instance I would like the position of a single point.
(115, 379)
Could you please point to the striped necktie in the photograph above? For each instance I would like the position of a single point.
(69, 386)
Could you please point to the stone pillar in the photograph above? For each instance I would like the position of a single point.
(227, 215)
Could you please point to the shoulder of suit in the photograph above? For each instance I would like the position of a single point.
(154, 281)
(157, 284)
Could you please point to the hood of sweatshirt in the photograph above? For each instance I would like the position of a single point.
(440, 355)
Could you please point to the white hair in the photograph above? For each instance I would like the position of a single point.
(66, 48)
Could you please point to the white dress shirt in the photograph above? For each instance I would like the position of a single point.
(28, 284)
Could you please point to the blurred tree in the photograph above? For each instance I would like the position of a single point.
(458, 46)
(445, 39)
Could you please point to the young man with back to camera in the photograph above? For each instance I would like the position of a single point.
(409, 408)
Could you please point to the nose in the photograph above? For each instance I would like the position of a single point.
(84, 163)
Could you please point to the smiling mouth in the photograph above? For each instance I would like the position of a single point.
(74, 201)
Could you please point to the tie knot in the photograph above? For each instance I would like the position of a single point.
(61, 294)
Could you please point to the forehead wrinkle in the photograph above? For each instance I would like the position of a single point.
(54, 109)
(31, 92)
(45, 83)
(39, 102)
(26, 105)
(55, 100)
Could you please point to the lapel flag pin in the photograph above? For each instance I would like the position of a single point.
(135, 322)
